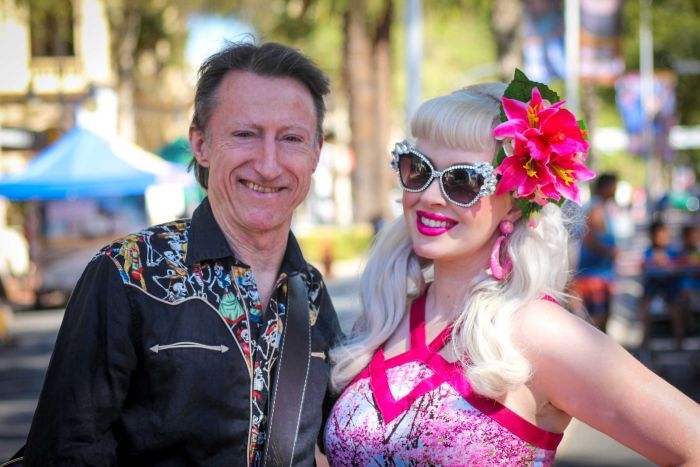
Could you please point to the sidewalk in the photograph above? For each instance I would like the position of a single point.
(23, 364)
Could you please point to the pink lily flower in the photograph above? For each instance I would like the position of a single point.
(524, 174)
(559, 133)
(567, 170)
(524, 115)
(545, 152)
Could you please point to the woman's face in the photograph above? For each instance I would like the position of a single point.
(443, 231)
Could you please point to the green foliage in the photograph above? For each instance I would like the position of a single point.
(630, 168)
(500, 156)
(458, 49)
(520, 89)
(676, 31)
(527, 208)
(341, 243)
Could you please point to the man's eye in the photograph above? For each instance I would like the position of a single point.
(293, 138)
(243, 134)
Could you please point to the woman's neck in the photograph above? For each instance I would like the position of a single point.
(452, 283)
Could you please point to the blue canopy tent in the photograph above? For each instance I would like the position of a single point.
(82, 164)
(82, 177)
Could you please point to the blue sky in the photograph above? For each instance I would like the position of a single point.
(208, 34)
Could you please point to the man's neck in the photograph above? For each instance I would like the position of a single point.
(263, 251)
(264, 254)
(260, 253)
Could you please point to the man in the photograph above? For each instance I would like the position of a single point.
(176, 360)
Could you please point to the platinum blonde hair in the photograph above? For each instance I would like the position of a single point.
(394, 275)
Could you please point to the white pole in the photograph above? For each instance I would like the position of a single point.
(572, 23)
(414, 57)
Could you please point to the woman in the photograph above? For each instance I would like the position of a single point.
(462, 355)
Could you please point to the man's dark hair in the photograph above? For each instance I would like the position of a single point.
(605, 180)
(269, 59)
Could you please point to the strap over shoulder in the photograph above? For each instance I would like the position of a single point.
(15, 461)
(292, 377)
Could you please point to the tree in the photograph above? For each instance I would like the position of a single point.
(367, 71)
(506, 18)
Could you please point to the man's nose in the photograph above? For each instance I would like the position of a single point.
(267, 161)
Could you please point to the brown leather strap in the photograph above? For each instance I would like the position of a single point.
(292, 377)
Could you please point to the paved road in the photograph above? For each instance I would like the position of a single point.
(22, 368)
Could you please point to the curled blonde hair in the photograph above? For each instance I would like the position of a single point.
(481, 335)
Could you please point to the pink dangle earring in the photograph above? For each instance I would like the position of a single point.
(501, 264)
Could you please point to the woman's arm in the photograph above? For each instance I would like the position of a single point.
(586, 374)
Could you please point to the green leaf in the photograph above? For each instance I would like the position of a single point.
(527, 207)
(500, 156)
(584, 129)
(520, 89)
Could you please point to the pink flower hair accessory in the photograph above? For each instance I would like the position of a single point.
(544, 147)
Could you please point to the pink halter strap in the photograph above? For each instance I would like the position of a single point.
(418, 343)
(443, 372)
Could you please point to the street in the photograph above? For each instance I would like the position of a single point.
(23, 364)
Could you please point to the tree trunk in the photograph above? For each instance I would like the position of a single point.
(506, 18)
(382, 76)
(126, 21)
(367, 79)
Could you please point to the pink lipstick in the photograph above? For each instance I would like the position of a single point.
(432, 225)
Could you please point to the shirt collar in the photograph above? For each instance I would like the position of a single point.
(208, 242)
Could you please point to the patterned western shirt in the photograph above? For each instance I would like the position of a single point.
(166, 357)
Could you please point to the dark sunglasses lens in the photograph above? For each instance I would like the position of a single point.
(415, 173)
(462, 185)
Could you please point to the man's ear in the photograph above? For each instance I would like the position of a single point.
(198, 146)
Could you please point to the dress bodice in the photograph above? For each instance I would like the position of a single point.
(417, 408)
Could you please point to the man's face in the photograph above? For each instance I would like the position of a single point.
(261, 149)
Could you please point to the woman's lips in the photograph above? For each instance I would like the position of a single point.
(431, 224)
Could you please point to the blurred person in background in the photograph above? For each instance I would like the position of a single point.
(595, 273)
(481, 365)
(689, 261)
(180, 342)
(661, 283)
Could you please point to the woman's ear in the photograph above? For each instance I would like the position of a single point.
(514, 214)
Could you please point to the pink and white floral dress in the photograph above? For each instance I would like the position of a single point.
(418, 409)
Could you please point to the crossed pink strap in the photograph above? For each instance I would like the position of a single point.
(443, 372)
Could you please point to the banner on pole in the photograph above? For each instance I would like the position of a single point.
(661, 112)
(601, 41)
(543, 40)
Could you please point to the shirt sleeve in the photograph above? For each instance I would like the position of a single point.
(88, 376)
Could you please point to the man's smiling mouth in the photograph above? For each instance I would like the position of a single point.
(260, 188)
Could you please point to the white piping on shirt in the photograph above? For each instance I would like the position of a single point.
(189, 345)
